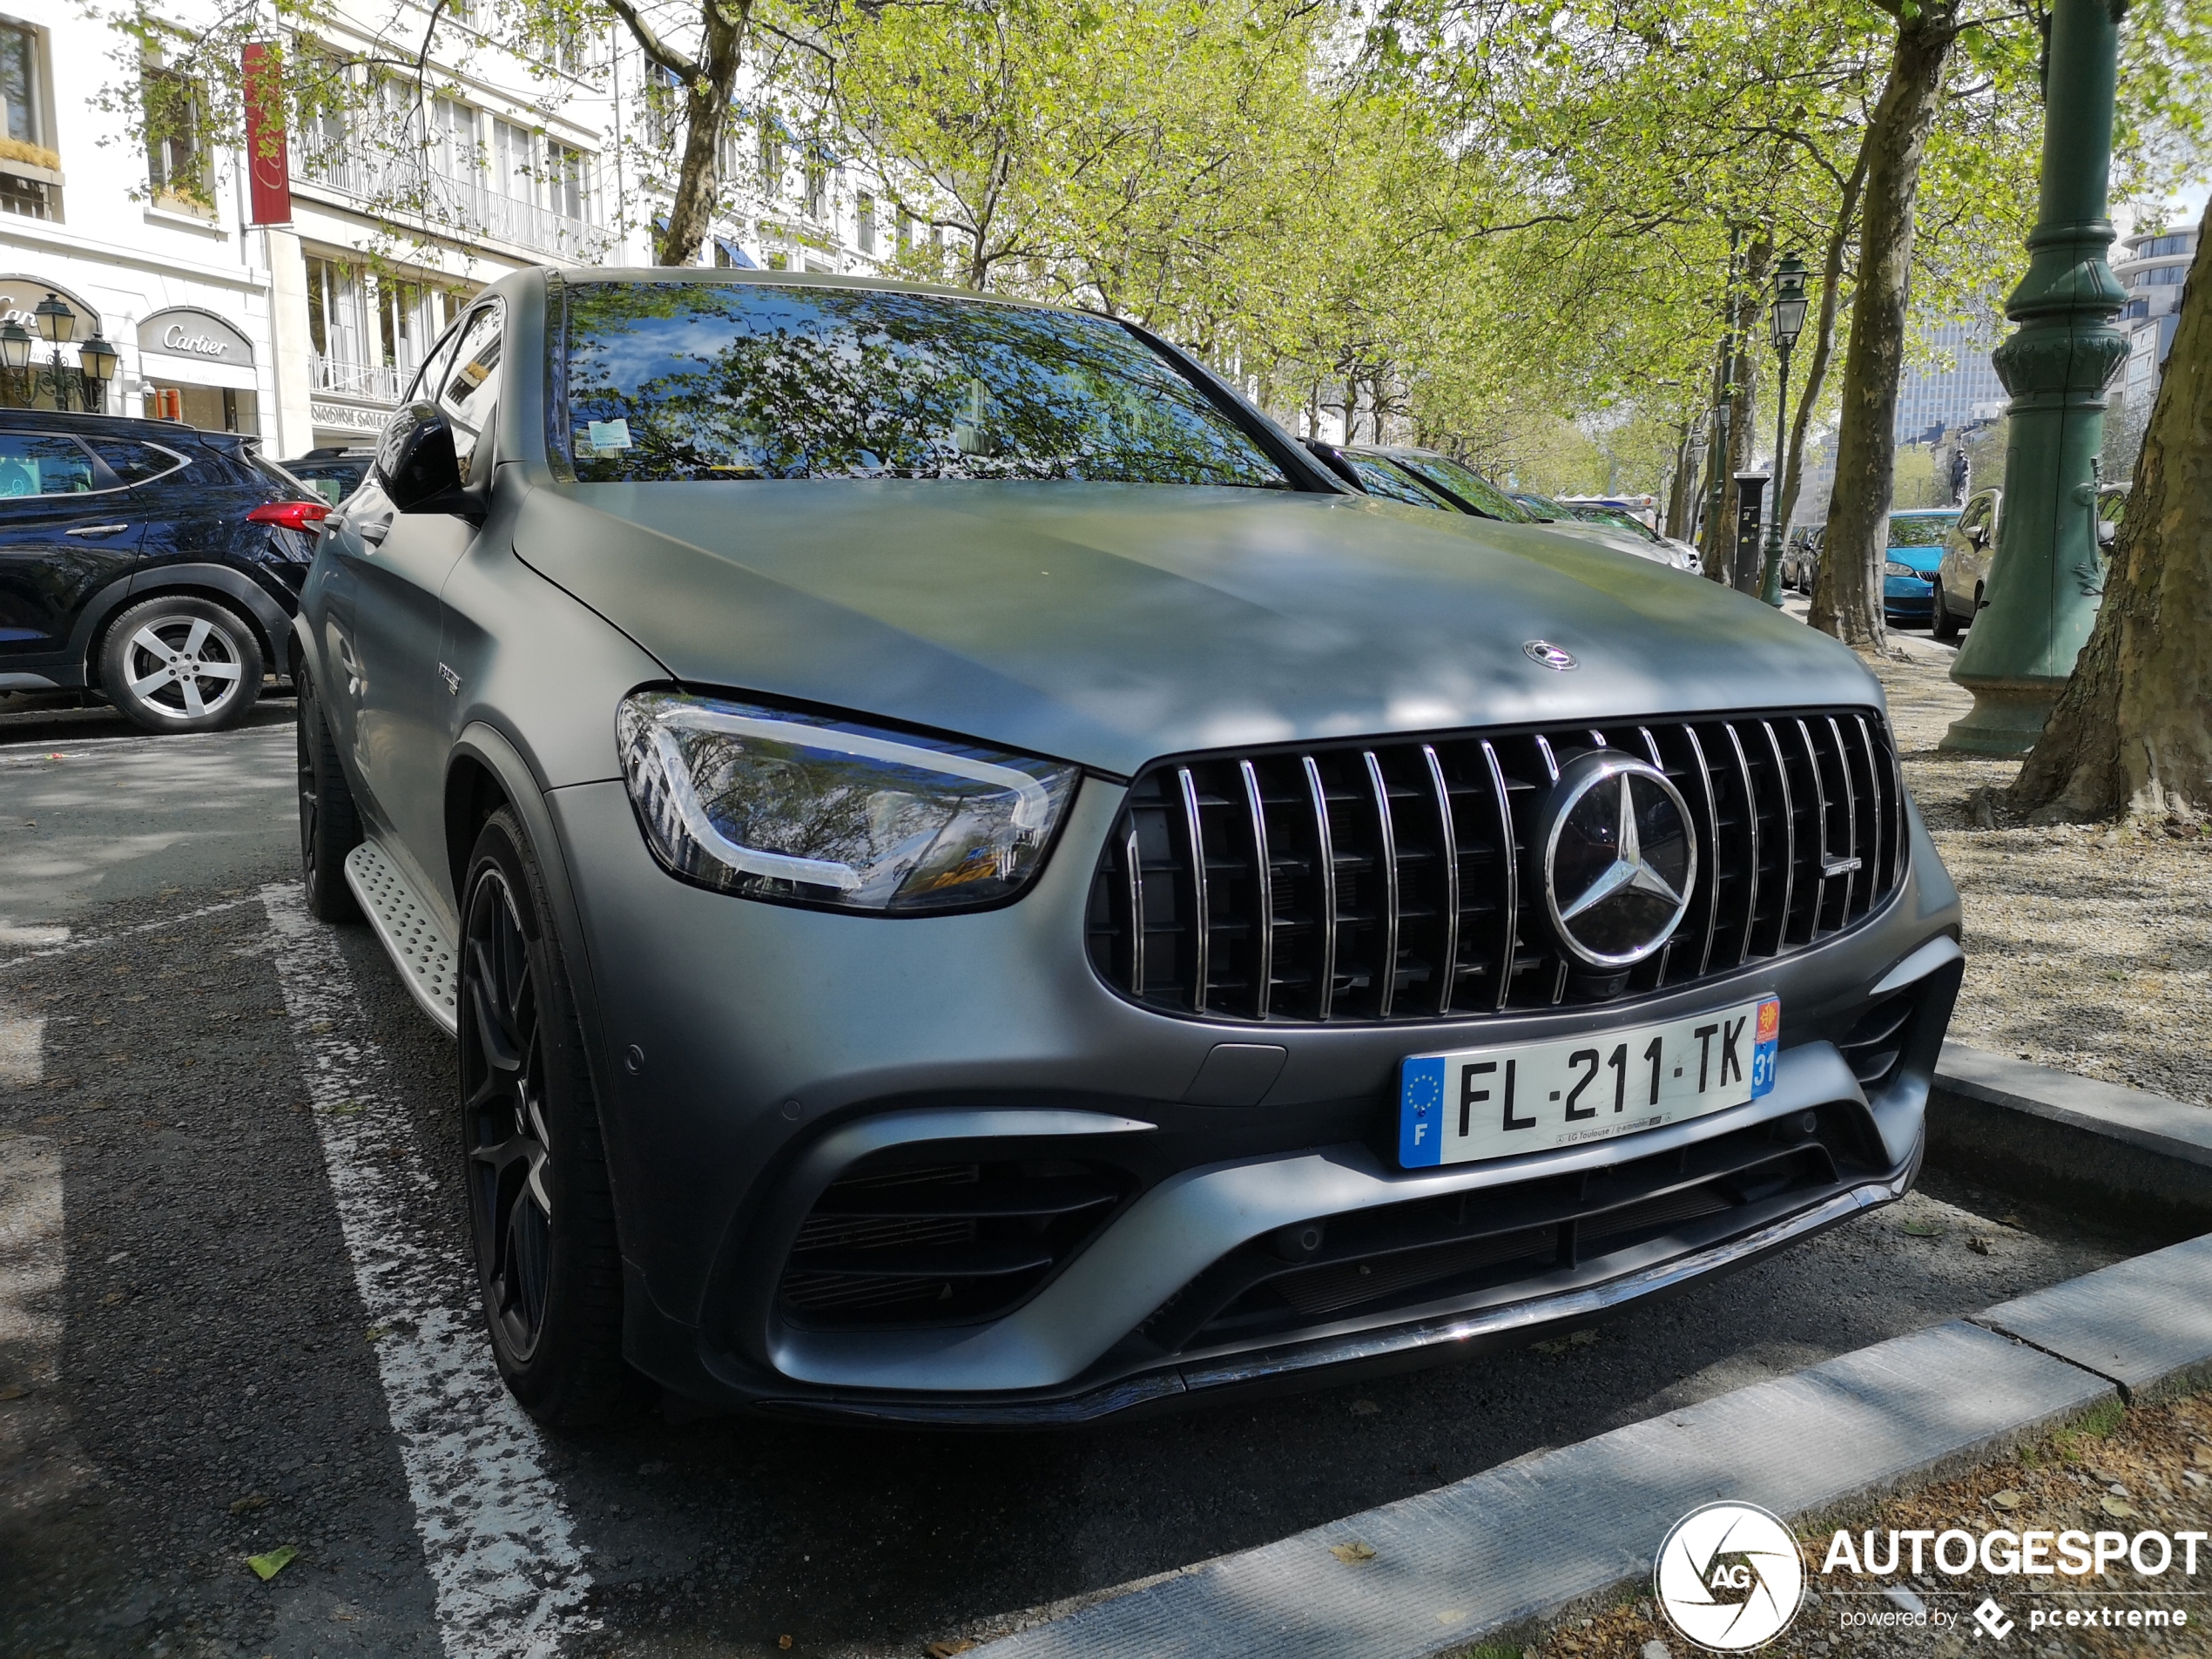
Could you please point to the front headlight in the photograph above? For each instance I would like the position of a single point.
(1890, 567)
(806, 808)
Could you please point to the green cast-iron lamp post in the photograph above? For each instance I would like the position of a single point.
(2047, 577)
(56, 322)
(1786, 321)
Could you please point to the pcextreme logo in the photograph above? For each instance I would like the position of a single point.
(1729, 1577)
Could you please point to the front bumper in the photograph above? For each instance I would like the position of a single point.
(770, 1048)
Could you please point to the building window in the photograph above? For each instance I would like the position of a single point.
(771, 155)
(28, 166)
(863, 223)
(568, 182)
(663, 97)
(817, 191)
(176, 164)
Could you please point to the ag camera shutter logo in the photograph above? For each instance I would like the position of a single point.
(1729, 1577)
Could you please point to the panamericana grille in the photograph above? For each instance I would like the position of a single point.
(1398, 880)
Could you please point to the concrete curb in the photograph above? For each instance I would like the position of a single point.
(1494, 1554)
(2092, 1146)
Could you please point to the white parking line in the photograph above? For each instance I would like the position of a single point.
(508, 1574)
(92, 941)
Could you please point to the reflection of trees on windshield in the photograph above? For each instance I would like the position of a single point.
(700, 380)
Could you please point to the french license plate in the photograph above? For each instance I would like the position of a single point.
(1476, 1103)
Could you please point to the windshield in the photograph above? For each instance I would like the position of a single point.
(751, 380)
(1919, 529)
(1383, 479)
(1478, 493)
(1618, 518)
(1542, 509)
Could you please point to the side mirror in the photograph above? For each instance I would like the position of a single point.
(416, 464)
(1979, 535)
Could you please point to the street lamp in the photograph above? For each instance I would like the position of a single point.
(15, 353)
(95, 362)
(56, 322)
(1786, 319)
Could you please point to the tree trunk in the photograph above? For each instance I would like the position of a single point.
(1824, 339)
(1847, 594)
(1744, 566)
(2132, 734)
(707, 82)
(1717, 538)
(1678, 490)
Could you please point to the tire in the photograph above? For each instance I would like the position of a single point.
(1941, 623)
(329, 826)
(181, 664)
(540, 1213)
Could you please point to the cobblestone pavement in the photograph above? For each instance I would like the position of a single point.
(2089, 949)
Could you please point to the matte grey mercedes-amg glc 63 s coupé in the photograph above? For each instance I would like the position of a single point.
(975, 882)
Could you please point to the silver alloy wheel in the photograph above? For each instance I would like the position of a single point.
(183, 667)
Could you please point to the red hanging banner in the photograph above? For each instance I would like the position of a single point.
(268, 166)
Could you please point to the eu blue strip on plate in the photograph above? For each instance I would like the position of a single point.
(1420, 1112)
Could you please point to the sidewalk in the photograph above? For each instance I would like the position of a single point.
(2089, 949)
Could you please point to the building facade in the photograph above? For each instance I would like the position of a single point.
(1954, 385)
(405, 201)
(2152, 267)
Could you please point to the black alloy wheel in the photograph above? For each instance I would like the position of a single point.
(329, 827)
(509, 1146)
(548, 1265)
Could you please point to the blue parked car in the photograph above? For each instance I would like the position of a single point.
(1908, 575)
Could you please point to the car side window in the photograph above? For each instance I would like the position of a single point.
(134, 462)
(40, 463)
(469, 387)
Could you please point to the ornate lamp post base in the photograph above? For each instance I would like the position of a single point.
(2007, 716)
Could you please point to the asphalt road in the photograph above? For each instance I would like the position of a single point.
(233, 1317)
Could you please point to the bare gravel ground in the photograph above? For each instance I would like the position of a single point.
(2089, 949)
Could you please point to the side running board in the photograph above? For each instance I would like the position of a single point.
(417, 946)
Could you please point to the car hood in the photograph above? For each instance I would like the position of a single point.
(1611, 535)
(1920, 558)
(1110, 624)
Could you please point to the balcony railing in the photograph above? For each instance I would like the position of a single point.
(374, 383)
(389, 185)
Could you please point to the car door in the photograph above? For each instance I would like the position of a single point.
(66, 531)
(398, 561)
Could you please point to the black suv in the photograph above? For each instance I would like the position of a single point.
(153, 563)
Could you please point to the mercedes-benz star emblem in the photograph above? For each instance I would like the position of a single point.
(1551, 655)
(1620, 859)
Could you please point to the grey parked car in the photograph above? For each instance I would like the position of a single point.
(977, 882)
(1962, 578)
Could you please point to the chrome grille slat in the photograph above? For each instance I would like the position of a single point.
(1850, 819)
(1820, 832)
(1449, 840)
(1332, 883)
(1712, 838)
(1386, 955)
(1264, 882)
(1789, 837)
(1509, 852)
(1328, 873)
(1751, 832)
(1202, 932)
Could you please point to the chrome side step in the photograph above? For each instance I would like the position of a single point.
(417, 946)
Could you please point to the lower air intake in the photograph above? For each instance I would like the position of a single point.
(948, 1244)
